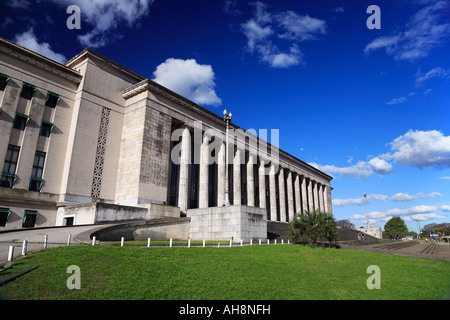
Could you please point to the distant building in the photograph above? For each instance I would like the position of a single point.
(91, 141)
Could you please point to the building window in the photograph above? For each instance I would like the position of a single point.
(52, 99)
(9, 167)
(4, 215)
(46, 128)
(29, 219)
(36, 174)
(20, 121)
(3, 81)
(27, 91)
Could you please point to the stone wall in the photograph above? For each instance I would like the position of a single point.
(235, 223)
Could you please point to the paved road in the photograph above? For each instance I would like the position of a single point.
(57, 236)
(408, 248)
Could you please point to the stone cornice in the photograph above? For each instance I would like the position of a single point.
(39, 61)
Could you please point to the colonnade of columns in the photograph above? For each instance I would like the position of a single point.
(286, 191)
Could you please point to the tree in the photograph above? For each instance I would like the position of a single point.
(312, 226)
(395, 226)
(345, 224)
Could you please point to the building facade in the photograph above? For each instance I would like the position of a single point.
(92, 141)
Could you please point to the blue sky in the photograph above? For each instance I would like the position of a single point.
(368, 106)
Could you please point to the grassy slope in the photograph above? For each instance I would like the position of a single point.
(253, 272)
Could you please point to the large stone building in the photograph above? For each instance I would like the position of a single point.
(91, 141)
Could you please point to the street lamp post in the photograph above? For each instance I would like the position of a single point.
(367, 212)
(227, 119)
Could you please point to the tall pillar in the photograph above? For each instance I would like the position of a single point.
(221, 176)
(262, 185)
(204, 173)
(250, 182)
(298, 205)
(315, 195)
(185, 159)
(282, 195)
(322, 207)
(327, 200)
(304, 195)
(290, 197)
(310, 196)
(237, 178)
(273, 194)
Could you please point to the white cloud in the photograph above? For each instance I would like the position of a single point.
(435, 72)
(267, 31)
(189, 79)
(358, 201)
(421, 149)
(444, 178)
(361, 169)
(423, 32)
(427, 212)
(396, 101)
(381, 166)
(105, 15)
(402, 197)
(300, 27)
(29, 40)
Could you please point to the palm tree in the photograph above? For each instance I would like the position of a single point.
(313, 226)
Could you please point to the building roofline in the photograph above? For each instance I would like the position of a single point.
(39, 60)
(148, 84)
(89, 53)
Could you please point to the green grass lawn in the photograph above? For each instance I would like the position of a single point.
(266, 272)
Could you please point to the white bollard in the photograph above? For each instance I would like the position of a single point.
(268, 241)
(275, 241)
(46, 241)
(288, 241)
(93, 240)
(68, 239)
(189, 243)
(251, 241)
(241, 242)
(230, 243)
(260, 241)
(282, 241)
(148, 242)
(203, 243)
(170, 244)
(122, 241)
(11, 253)
(24, 247)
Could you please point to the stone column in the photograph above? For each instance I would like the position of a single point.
(315, 195)
(298, 205)
(322, 207)
(290, 197)
(237, 196)
(304, 195)
(204, 173)
(185, 160)
(327, 200)
(282, 195)
(250, 182)
(262, 185)
(310, 196)
(221, 176)
(273, 194)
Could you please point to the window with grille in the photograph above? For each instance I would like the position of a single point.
(4, 215)
(52, 99)
(29, 219)
(3, 81)
(9, 167)
(46, 128)
(37, 172)
(20, 121)
(27, 91)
